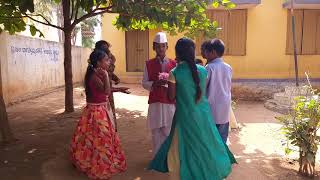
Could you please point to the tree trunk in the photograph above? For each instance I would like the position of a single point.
(68, 73)
(67, 57)
(306, 168)
(6, 133)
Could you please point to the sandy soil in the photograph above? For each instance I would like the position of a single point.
(44, 135)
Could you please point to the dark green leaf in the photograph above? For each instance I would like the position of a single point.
(33, 30)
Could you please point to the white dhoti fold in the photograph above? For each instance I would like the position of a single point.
(159, 121)
(233, 121)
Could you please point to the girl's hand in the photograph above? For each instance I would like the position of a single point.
(117, 82)
(124, 90)
(121, 89)
(101, 72)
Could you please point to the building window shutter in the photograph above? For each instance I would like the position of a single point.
(298, 27)
(308, 32)
(222, 18)
(233, 32)
(199, 40)
(317, 39)
(237, 33)
(310, 19)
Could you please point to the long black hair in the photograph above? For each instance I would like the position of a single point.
(185, 51)
(103, 45)
(95, 57)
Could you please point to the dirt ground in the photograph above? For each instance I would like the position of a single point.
(44, 134)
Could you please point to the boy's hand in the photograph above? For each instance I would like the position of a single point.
(160, 82)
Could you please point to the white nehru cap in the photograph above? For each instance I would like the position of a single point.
(160, 38)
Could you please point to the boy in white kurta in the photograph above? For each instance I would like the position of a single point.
(161, 110)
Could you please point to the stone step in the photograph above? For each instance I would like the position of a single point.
(282, 98)
(296, 91)
(284, 101)
(275, 106)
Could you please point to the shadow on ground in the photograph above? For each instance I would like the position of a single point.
(44, 135)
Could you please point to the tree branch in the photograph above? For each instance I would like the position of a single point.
(77, 9)
(72, 8)
(91, 14)
(40, 15)
(12, 17)
(47, 23)
(97, 5)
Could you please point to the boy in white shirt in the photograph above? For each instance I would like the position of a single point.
(219, 86)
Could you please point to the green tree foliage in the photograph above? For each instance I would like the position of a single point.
(11, 18)
(186, 16)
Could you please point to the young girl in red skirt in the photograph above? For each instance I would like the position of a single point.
(95, 146)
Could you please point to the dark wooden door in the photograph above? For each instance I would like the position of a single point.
(137, 50)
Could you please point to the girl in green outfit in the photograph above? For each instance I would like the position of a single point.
(194, 149)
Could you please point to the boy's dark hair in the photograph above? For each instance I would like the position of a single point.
(100, 43)
(199, 61)
(205, 44)
(218, 46)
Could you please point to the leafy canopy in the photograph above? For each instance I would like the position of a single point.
(11, 18)
(174, 16)
(187, 16)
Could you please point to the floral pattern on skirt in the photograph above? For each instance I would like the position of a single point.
(95, 146)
